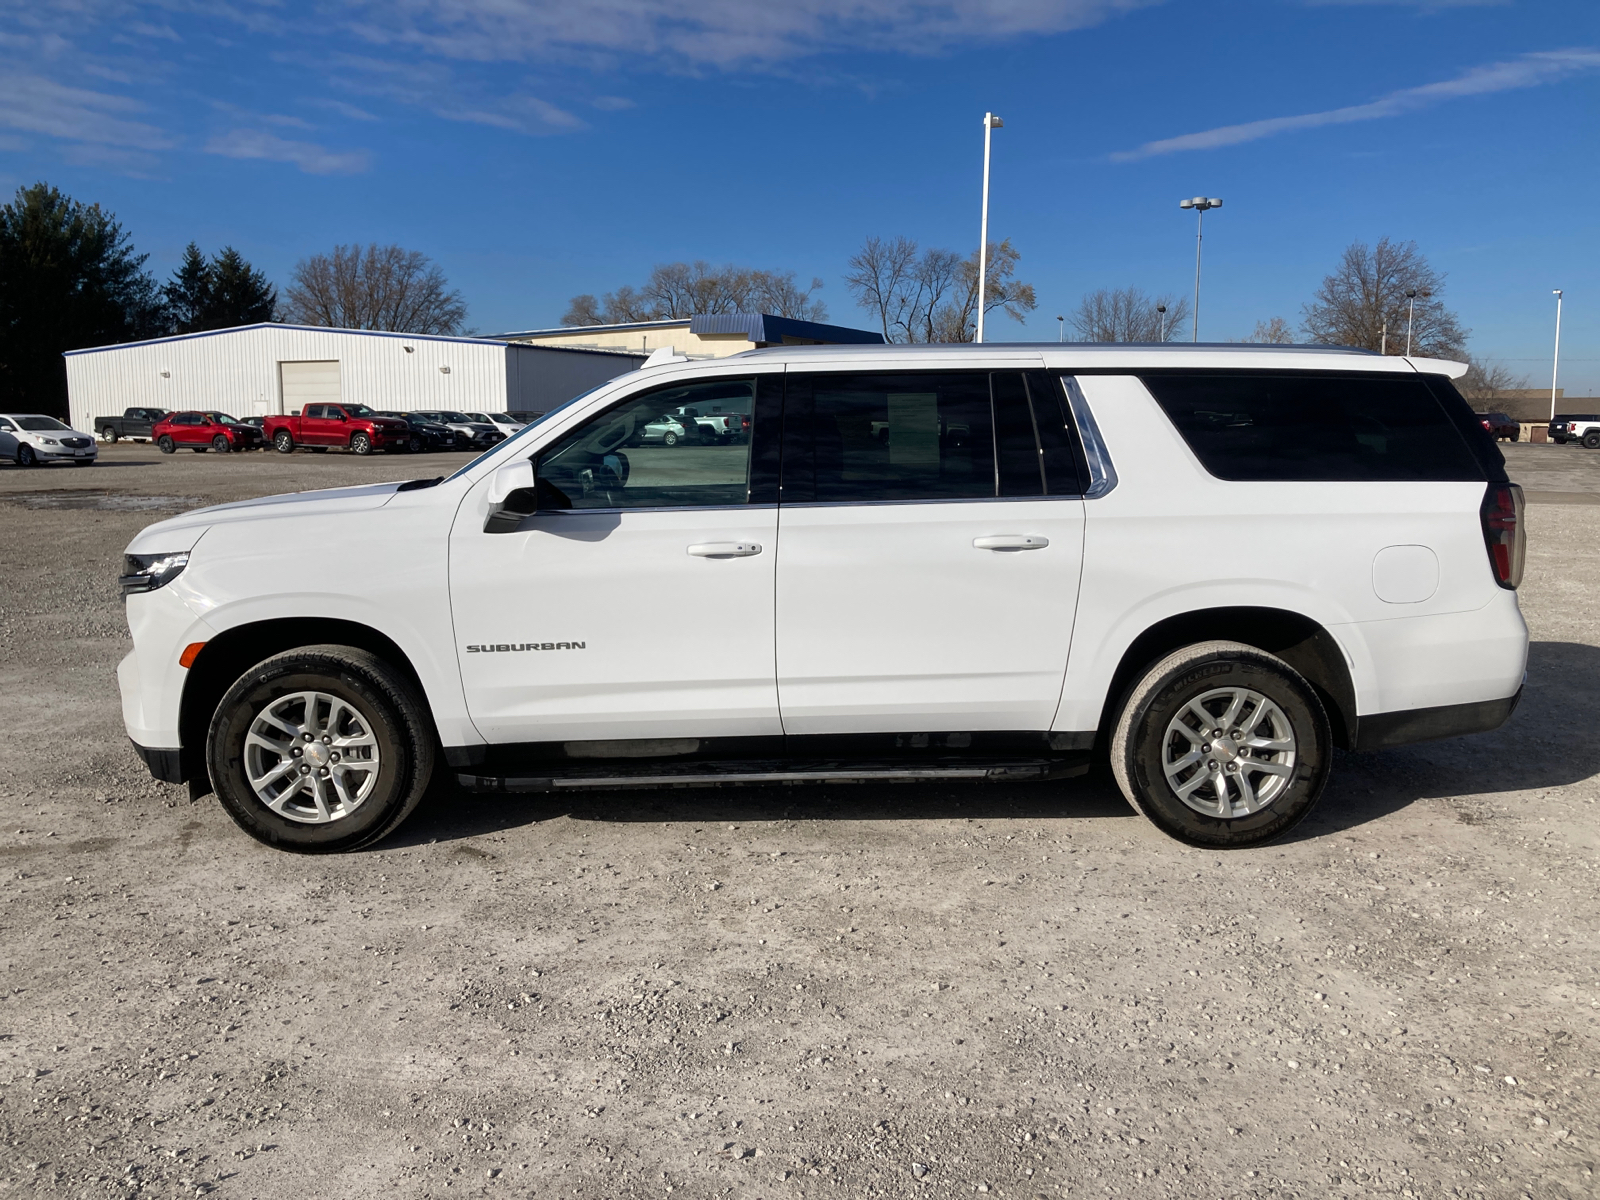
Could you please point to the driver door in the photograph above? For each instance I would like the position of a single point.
(637, 601)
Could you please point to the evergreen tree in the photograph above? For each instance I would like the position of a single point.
(69, 279)
(218, 293)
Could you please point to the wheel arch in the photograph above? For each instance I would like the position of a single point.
(1301, 642)
(233, 652)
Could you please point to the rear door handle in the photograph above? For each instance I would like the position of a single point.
(1012, 541)
(725, 549)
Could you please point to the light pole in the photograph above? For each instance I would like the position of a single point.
(1555, 366)
(990, 124)
(1411, 316)
(1200, 204)
(1161, 320)
(1062, 326)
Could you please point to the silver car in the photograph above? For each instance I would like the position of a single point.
(29, 439)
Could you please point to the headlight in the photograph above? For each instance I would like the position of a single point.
(44, 441)
(147, 572)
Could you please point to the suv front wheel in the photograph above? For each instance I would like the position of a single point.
(1221, 744)
(320, 749)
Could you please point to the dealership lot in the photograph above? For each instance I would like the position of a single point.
(1021, 990)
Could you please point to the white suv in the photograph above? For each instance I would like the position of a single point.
(1214, 565)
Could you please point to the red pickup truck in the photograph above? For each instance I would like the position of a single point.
(354, 427)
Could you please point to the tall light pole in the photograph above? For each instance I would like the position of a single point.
(1555, 365)
(990, 124)
(1411, 316)
(1161, 320)
(1200, 204)
(1062, 327)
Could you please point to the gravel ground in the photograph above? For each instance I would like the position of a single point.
(1014, 990)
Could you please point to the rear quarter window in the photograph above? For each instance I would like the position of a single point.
(1324, 427)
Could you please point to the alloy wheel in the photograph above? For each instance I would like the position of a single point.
(311, 757)
(1229, 752)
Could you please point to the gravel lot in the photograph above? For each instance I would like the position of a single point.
(1018, 990)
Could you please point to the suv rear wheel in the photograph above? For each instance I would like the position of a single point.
(320, 749)
(166, 444)
(1222, 744)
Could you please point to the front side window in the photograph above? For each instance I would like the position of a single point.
(1316, 427)
(647, 452)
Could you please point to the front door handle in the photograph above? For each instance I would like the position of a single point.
(1012, 541)
(725, 549)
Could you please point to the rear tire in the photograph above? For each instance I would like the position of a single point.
(108, 435)
(283, 442)
(362, 703)
(166, 445)
(669, 438)
(1266, 781)
(1591, 440)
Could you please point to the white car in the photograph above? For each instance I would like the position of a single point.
(30, 440)
(1211, 566)
(504, 422)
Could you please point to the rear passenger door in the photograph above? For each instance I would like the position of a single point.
(931, 531)
(186, 429)
(319, 425)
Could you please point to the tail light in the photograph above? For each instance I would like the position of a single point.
(1503, 532)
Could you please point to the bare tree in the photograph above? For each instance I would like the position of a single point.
(1275, 332)
(932, 296)
(383, 287)
(1367, 293)
(1129, 315)
(1486, 380)
(678, 290)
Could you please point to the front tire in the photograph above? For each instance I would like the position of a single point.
(26, 457)
(1591, 440)
(166, 444)
(320, 750)
(221, 444)
(1221, 744)
(283, 442)
(360, 444)
(1516, 435)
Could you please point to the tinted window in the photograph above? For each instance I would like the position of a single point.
(648, 453)
(39, 424)
(186, 419)
(857, 438)
(1259, 425)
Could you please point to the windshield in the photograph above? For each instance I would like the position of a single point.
(458, 418)
(506, 417)
(522, 434)
(36, 424)
(359, 410)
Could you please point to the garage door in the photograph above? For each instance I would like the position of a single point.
(308, 383)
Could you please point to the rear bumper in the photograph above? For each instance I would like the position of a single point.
(1379, 731)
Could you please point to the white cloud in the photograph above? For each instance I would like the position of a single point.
(33, 104)
(721, 33)
(346, 110)
(1531, 70)
(308, 156)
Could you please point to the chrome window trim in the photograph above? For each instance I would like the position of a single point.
(1102, 474)
(906, 503)
(581, 512)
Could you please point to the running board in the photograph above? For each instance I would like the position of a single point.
(740, 775)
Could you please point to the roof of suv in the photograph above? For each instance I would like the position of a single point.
(1130, 356)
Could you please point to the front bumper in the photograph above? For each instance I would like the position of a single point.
(66, 453)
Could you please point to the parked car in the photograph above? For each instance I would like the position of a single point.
(1575, 427)
(1002, 609)
(32, 439)
(353, 427)
(258, 422)
(470, 434)
(425, 435)
(202, 431)
(1501, 426)
(504, 422)
(668, 429)
(135, 424)
(525, 416)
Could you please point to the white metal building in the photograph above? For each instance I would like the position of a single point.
(254, 370)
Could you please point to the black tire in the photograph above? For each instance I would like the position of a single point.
(26, 457)
(221, 444)
(1560, 441)
(414, 444)
(1591, 440)
(669, 438)
(108, 435)
(360, 444)
(399, 724)
(166, 444)
(1516, 435)
(283, 442)
(1144, 728)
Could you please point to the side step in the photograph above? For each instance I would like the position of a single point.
(736, 774)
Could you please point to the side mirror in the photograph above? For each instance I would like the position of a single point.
(511, 497)
(513, 477)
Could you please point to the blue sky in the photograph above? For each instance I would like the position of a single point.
(537, 150)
